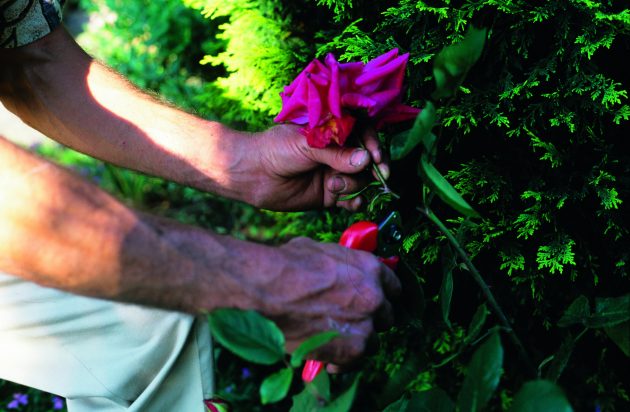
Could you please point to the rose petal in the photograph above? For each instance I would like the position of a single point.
(395, 114)
(314, 105)
(382, 100)
(393, 67)
(294, 107)
(334, 98)
(357, 101)
(382, 59)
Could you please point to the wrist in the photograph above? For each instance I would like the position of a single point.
(228, 158)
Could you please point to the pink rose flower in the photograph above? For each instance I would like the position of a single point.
(322, 96)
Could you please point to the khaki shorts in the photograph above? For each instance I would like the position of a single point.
(101, 355)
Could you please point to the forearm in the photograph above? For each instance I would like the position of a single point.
(58, 89)
(60, 231)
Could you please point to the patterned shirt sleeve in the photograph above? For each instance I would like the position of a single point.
(25, 21)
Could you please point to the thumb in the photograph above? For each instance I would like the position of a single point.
(342, 159)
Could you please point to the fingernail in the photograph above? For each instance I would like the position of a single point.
(336, 184)
(358, 157)
(384, 169)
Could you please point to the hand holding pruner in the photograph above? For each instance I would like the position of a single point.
(382, 239)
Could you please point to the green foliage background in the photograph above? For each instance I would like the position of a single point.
(534, 140)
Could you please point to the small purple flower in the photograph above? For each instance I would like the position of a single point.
(245, 373)
(57, 403)
(18, 399)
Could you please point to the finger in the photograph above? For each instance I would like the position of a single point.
(370, 348)
(390, 282)
(384, 317)
(334, 369)
(370, 140)
(341, 159)
(384, 169)
(344, 350)
(344, 184)
(351, 205)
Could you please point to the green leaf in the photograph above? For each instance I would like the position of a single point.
(433, 400)
(305, 401)
(320, 386)
(412, 365)
(620, 334)
(610, 312)
(248, 334)
(453, 63)
(561, 358)
(483, 375)
(275, 387)
(540, 395)
(477, 322)
(577, 312)
(405, 142)
(446, 290)
(310, 345)
(344, 402)
(443, 188)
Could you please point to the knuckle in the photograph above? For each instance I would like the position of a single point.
(375, 298)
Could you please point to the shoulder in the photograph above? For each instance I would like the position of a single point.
(25, 21)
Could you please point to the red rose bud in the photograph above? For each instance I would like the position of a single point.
(217, 405)
(311, 369)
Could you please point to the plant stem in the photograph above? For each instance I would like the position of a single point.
(380, 178)
(494, 306)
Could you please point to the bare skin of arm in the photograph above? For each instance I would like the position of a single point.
(60, 231)
(55, 87)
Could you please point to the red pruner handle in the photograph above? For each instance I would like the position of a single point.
(361, 235)
(391, 262)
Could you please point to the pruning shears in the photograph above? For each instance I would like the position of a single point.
(382, 239)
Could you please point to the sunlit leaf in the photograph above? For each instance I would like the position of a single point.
(248, 334)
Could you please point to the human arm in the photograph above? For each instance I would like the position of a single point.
(54, 86)
(60, 231)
